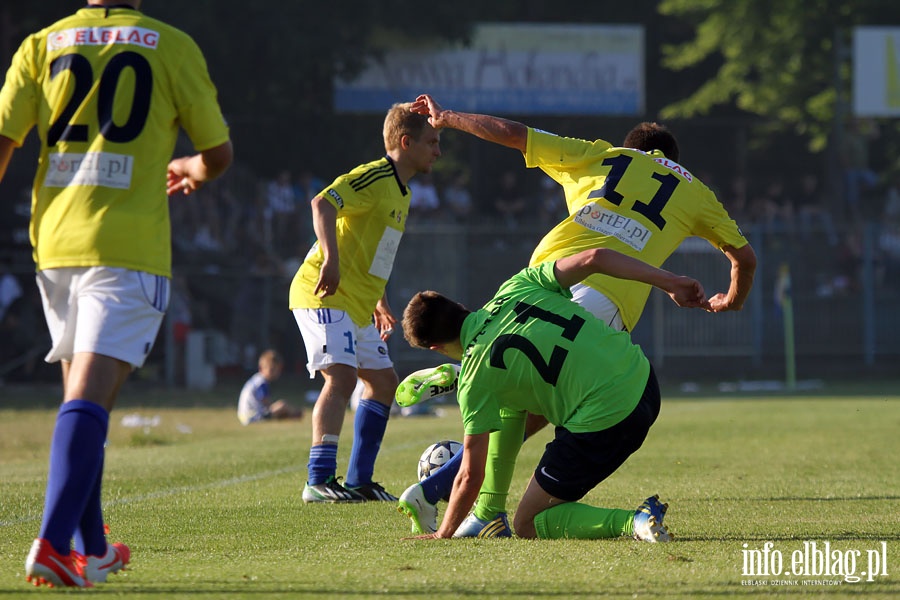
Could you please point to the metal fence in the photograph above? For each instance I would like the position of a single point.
(845, 297)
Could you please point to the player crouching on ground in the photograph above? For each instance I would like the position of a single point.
(532, 350)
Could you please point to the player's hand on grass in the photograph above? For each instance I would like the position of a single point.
(424, 536)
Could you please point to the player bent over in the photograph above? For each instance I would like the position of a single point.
(532, 350)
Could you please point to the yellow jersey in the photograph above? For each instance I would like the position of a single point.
(372, 207)
(640, 204)
(108, 89)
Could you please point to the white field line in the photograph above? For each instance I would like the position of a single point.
(185, 489)
(189, 489)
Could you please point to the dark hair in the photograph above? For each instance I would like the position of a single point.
(432, 319)
(648, 136)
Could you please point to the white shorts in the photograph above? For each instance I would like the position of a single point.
(331, 337)
(598, 305)
(104, 310)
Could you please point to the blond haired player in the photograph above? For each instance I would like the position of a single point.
(107, 89)
(339, 302)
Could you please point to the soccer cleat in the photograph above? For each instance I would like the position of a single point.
(331, 491)
(373, 492)
(477, 528)
(98, 568)
(423, 513)
(46, 566)
(427, 384)
(648, 521)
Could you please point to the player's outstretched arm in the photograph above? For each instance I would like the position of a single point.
(511, 134)
(684, 291)
(743, 269)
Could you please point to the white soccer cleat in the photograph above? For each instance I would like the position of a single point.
(423, 513)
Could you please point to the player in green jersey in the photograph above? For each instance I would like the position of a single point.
(107, 89)
(635, 199)
(339, 302)
(531, 350)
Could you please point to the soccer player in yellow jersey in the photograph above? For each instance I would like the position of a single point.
(339, 302)
(635, 199)
(107, 89)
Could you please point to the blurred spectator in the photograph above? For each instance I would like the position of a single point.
(508, 200)
(773, 208)
(179, 311)
(10, 291)
(308, 185)
(282, 201)
(24, 335)
(458, 197)
(551, 203)
(424, 203)
(889, 235)
(250, 304)
(811, 209)
(736, 202)
(858, 176)
(207, 230)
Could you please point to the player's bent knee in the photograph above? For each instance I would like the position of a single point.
(524, 527)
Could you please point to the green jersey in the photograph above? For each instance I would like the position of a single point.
(532, 349)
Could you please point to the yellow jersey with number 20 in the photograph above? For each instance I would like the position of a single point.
(108, 89)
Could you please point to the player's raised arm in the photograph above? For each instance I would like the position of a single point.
(511, 134)
(684, 291)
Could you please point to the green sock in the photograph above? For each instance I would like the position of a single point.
(501, 464)
(580, 521)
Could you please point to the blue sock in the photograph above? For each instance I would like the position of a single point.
(90, 535)
(368, 431)
(322, 463)
(439, 485)
(76, 461)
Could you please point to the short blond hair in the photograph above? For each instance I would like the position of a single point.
(270, 359)
(401, 121)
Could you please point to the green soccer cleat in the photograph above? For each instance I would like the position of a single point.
(648, 521)
(426, 384)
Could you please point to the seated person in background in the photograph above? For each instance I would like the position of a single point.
(255, 403)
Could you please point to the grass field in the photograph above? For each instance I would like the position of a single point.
(212, 509)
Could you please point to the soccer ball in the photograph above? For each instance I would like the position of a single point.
(436, 456)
